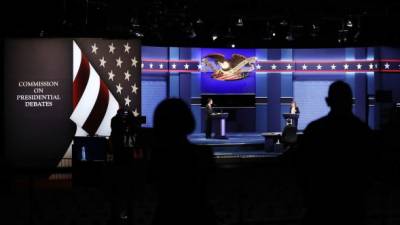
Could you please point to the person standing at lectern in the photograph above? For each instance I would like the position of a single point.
(210, 111)
(294, 109)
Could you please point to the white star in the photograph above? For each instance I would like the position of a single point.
(304, 67)
(186, 66)
(199, 66)
(346, 66)
(111, 75)
(134, 61)
(174, 66)
(376, 65)
(135, 113)
(333, 67)
(119, 88)
(119, 62)
(319, 67)
(273, 67)
(127, 47)
(359, 66)
(289, 67)
(161, 66)
(112, 48)
(258, 66)
(103, 62)
(127, 75)
(151, 65)
(387, 66)
(371, 66)
(127, 101)
(134, 88)
(94, 48)
(142, 65)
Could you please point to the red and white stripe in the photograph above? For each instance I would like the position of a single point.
(93, 103)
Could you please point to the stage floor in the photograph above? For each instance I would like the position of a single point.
(233, 139)
(238, 145)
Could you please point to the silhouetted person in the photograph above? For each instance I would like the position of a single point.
(294, 109)
(335, 161)
(120, 129)
(179, 168)
(210, 111)
(123, 136)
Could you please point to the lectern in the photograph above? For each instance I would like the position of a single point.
(291, 119)
(220, 118)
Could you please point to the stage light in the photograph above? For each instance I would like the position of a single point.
(314, 30)
(135, 28)
(349, 23)
(268, 32)
(283, 23)
(233, 45)
(199, 21)
(139, 34)
(314, 27)
(134, 22)
(192, 34)
(239, 22)
(214, 37)
(289, 37)
(136, 32)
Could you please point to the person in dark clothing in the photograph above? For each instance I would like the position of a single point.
(210, 111)
(179, 169)
(124, 129)
(294, 109)
(334, 163)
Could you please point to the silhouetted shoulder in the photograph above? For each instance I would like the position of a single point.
(316, 124)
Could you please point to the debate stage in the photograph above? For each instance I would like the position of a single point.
(238, 147)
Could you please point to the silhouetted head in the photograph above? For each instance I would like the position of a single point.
(340, 97)
(173, 118)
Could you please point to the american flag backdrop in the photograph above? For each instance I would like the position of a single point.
(106, 76)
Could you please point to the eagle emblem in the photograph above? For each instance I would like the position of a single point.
(235, 68)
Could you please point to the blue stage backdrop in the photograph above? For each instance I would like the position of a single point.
(274, 77)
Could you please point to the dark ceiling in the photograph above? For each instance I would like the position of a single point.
(194, 23)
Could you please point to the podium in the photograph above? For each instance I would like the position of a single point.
(220, 132)
(291, 119)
